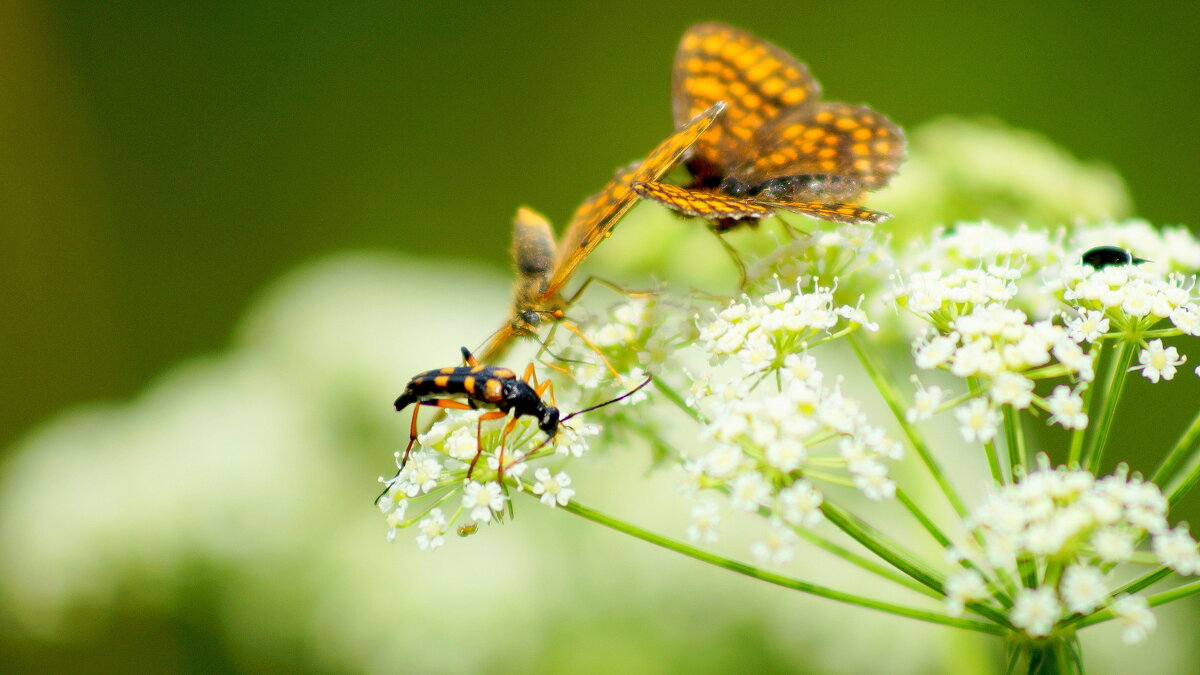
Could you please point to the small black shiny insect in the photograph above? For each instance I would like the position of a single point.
(492, 388)
(1106, 256)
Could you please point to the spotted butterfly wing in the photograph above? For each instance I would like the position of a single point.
(701, 203)
(853, 143)
(596, 217)
(757, 80)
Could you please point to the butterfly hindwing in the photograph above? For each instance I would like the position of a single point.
(833, 139)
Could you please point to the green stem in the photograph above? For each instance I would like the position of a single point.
(865, 563)
(875, 542)
(1173, 458)
(675, 398)
(777, 579)
(1109, 398)
(1145, 581)
(883, 382)
(1077, 435)
(993, 457)
(1014, 437)
(926, 523)
(1184, 487)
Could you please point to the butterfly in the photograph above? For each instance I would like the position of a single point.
(778, 147)
(544, 267)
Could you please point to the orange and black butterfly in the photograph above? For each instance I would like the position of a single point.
(778, 147)
(544, 268)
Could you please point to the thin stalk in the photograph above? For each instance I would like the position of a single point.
(1078, 435)
(1173, 458)
(1185, 486)
(877, 544)
(926, 523)
(1014, 436)
(1109, 398)
(777, 579)
(993, 457)
(674, 397)
(1145, 581)
(883, 382)
(864, 563)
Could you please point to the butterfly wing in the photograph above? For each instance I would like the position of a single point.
(836, 212)
(596, 217)
(829, 139)
(759, 81)
(701, 203)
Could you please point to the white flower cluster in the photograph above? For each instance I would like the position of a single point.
(761, 334)
(436, 472)
(767, 446)
(1068, 529)
(967, 245)
(999, 346)
(1134, 297)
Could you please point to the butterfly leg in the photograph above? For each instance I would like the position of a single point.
(733, 255)
(605, 282)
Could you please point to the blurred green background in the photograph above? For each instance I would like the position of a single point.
(161, 163)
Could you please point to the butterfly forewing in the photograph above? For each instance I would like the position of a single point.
(595, 219)
(835, 212)
(757, 80)
(701, 203)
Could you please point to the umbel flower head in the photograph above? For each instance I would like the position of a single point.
(1066, 531)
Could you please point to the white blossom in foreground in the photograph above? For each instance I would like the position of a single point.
(1068, 528)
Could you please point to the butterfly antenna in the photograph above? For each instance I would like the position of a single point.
(626, 395)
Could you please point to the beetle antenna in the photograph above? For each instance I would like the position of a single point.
(626, 395)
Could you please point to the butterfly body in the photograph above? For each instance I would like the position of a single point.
(544, 266)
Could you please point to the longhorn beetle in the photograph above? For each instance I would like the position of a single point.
(493, 388)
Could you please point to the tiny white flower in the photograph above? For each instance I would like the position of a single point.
(706, 517)
(1176, 549)
(786, 454)
(963, 587)
(1135, 616)
(1066, 408)
(1114, 545)
(978, 420)
(1158, 362)
(554, 490)
(749, 491)
(1088, 326)
(925, 403)
(1013, 389)
(777, 298)
(1035, 611)
(800, 504)
(1083, 588)
(483, 500)
(776, 547)
(431, 530)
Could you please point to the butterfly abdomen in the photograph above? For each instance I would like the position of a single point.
(808, 187)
